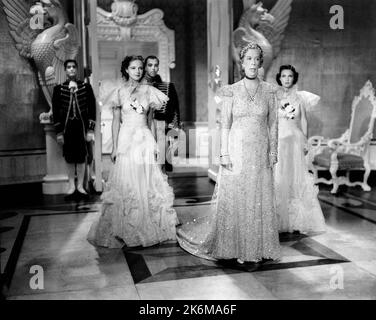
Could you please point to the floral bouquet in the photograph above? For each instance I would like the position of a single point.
(137, 106)
(287, 110)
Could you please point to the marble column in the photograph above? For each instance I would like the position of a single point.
(219, 70)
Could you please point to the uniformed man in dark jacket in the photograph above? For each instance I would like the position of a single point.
(74, 110)
(168, 118)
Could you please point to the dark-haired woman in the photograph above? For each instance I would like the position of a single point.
(296, 195)
(137, 203)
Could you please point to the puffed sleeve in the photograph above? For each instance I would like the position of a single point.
(157, 99)
(226, 100)
(115, 101)
(273, 128)
(309, 99)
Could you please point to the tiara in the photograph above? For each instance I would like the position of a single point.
(251, 45)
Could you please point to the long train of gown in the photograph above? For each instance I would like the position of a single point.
(241, 221)
(298, 207)
(137, 204)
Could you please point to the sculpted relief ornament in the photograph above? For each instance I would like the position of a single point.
(265, 28)
(123, 24)
(43, 35)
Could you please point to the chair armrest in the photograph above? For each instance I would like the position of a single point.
(336, 143)
(315, 141)
(314, 147)
(357, 148)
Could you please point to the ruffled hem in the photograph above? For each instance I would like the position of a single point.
(137, 207)
(304, 213)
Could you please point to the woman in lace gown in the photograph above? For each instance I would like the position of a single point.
(137, 203)
(242, 224)
(297, 205)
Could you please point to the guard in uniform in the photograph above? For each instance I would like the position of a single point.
(166, 120)
(74, 111)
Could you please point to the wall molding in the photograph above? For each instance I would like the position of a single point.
(22, 166)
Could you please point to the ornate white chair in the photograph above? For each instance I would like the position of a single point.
(351, 150)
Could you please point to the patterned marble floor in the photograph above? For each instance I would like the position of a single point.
(51, 233)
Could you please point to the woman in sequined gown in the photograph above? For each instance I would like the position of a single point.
(296, 194)
(242, 224)
(137, 203)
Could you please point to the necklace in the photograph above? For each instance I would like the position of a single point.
(250, 78)
(251, 96)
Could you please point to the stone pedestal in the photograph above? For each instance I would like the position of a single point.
(56, 179)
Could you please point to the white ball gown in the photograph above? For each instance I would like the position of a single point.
(137, 207)
(298, 207)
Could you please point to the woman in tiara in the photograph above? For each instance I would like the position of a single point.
(243, 223)
(296, 195)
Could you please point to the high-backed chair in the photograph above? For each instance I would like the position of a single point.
(351, 150)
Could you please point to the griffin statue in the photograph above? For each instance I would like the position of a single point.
(48, 44)
(266, 29)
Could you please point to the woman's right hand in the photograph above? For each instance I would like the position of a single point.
(113, 155)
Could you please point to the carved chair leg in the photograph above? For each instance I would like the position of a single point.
(315, 174)
(367, 172)
(333, 171)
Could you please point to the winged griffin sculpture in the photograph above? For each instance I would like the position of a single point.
(48, 46)
(266, 29)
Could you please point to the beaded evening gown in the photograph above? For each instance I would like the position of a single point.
(296, 194)
(241, 222)
(137, 202)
